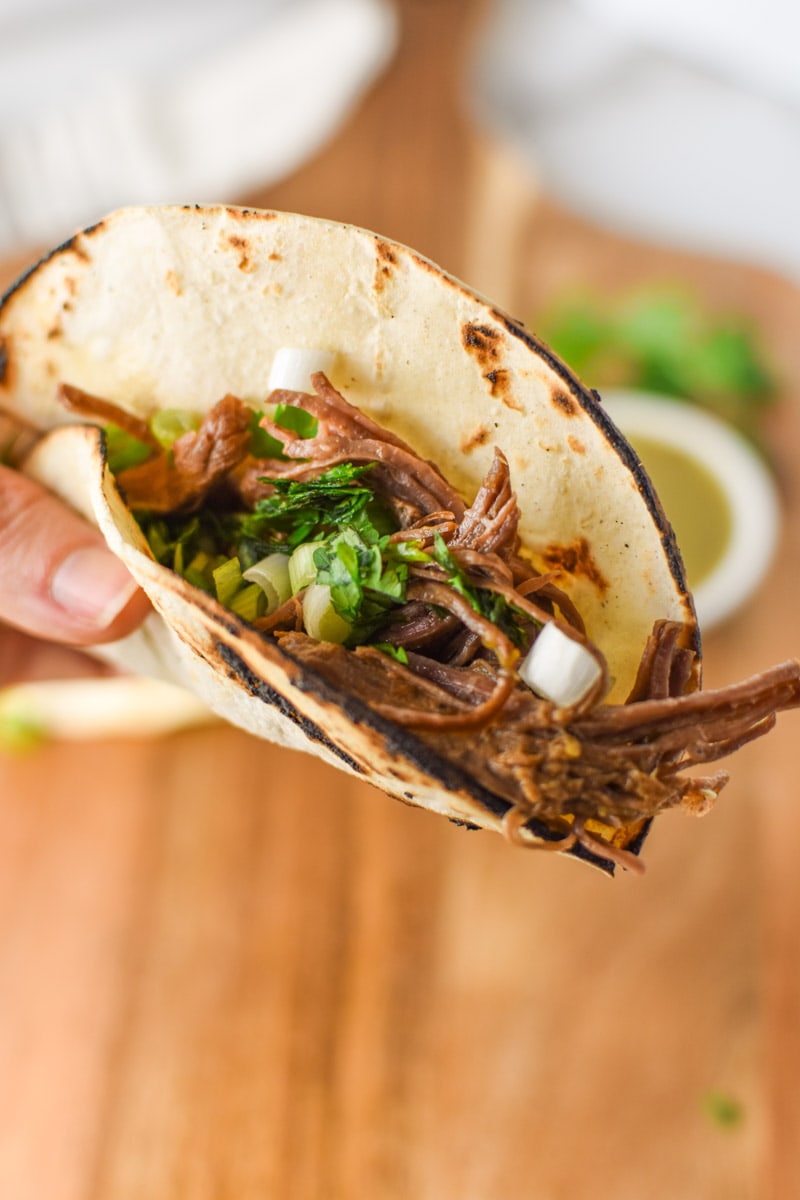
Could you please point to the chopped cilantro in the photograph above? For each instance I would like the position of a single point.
(398, 653)
(192, 546)
(347, 565)
(489, 604)
(303, 510)
(364, 584)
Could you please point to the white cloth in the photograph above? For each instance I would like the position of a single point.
(118, 103)
(675, 120)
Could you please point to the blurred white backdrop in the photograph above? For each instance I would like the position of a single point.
(675, 120)
(111, 103)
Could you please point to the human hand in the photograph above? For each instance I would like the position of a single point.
(60, 586)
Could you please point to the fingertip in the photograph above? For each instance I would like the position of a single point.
(128, 619)
(59, 579)
(94, 588)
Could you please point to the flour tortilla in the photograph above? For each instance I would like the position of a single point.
(175, 307)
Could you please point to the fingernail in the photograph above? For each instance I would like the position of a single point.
(93, 584)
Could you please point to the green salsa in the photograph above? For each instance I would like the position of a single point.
(694, 502)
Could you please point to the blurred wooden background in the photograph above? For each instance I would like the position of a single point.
(229, 972)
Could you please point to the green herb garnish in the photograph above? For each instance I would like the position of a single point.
(247, 600)
(398, 653)
(192, 546)
(336, 522)
(489, 604)
(347, 565)
(168, 424)
(123, 450)
(297, 420)
(662, 340)
(262, 443)
(227, 580)
(304, 510)
(363, 585)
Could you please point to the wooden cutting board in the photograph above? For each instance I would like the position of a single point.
(229, 972)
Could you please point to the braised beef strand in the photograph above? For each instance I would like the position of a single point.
(178, 481)
(181, 480)
(94, 408)
(346, 435)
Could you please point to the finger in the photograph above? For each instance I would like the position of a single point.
(16, 439)
(58, 579)
(25, 659)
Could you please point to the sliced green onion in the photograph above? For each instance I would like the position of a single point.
(201, 562)
(292, 368)
(559, 667)
(19, 731)
(227, 580)
(123, 449)
(247, 600)
(302, 568)
(409, 551)
(249, 603)
(168, 424)
(272, 576)
(297, 420)
(199, 571)
(157, 536)
(263, 444)
(198, 579)
(321, 620)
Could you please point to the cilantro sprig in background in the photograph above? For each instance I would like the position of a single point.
(662, 340)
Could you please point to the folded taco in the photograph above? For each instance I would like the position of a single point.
(377, 519)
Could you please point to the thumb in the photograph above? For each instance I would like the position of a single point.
(58, 579)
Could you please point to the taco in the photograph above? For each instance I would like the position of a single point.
(378, 520)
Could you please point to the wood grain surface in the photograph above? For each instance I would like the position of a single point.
(228, 972)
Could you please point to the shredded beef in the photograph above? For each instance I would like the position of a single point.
(490, 523)
(180, 481)
(616, 764)
(346, 435)
(94, 408)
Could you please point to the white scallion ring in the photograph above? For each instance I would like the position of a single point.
(292, 367)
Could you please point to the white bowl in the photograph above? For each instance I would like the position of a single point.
(742, 476)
